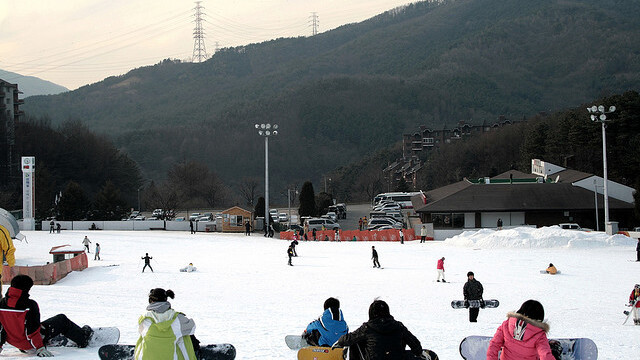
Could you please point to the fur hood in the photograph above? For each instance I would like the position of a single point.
(539, 324)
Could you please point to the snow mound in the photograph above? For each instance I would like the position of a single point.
(544, 237)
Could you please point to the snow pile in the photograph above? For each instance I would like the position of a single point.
(544, 237)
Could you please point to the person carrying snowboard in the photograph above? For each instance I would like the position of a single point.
(86, 243)
(440, 268)
(634, 302)
(382, 337)
(164, 332)
(522, 336)
(329, 327)
(290, 254)
(374, 257)
(21, 326)
(472, 290)
(147, 262)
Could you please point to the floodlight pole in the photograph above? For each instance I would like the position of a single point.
(602, 118)
(266, 130)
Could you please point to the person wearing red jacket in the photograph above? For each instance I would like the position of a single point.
(634, 301)
(523, 336)
(440, 267)
(21, 326)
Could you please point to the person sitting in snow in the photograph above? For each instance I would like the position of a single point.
(329, 327)
(552, 269)
(634, 302)
(188, 268)
(523, 335)
(21, 326)
(164, 332)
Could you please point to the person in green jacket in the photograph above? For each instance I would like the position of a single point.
(164, 332)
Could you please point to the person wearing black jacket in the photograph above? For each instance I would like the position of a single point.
(382, 337)
(472, 290)
(21, 327)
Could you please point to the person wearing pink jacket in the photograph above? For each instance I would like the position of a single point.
(440, 267)
(523, 336)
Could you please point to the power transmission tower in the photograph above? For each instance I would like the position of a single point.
(314, 23)
(199, 49)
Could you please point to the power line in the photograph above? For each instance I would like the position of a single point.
(199, 49)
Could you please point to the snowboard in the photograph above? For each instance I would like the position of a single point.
(321, 353)
(101, 336)
(459, 304)
(475, 348)
(295, 342)
(545, 272)
(207, 352)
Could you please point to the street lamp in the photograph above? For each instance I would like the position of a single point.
(598, 113)
(266, 130)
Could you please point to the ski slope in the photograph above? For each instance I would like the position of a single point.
(245, 294)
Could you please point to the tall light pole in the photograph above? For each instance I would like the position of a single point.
(266, 130)
(598, 113)
(289, 199)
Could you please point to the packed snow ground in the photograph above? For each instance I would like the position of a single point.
(244, 293)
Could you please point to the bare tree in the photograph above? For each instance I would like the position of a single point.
(248, 188)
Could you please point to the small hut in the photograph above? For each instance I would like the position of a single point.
(234, 219)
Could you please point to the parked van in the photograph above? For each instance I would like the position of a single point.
(317, 223)
(402, 198)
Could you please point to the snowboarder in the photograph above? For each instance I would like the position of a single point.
(188, 268)
(499, 224)
(329, 327)
(164, 332)
(382, 334)
(58, 227)
(473, 290)
(52, 225)
(86, 243)
(423, 234)
(290, 254)
(634, 302)
(374, 257)
(21, 326)
(147, 262)
(440, 268)
(293, 247)
(523, 335)
(247, 228)
(551, 269)
(97, 256)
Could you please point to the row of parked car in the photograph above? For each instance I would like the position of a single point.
(386, 214)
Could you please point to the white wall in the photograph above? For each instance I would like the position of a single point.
(469, 220)
(490, 220)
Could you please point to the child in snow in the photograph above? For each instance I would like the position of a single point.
(327, 329)
(522, 336)
(21, 326)
(634, 302)
(97, 256)
(164, 332)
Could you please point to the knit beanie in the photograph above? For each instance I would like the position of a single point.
(470, 273)
(378, 309)
(22, 282)
(334, 305)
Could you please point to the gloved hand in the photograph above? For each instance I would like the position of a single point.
(43, 352)
(482, 304)
(466, 303)
(335, 345)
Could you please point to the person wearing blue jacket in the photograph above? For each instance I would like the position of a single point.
(329, 327)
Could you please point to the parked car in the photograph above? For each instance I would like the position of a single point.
(317, 223)
(390, 222)
(157, 213)
(283, 217)
(139, 218)
(180, 218)
(194, 216)
(273, 213)
(332, 215)
(383, 227)
(570, 226)
(295, 227)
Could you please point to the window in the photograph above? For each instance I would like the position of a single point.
(447, 220)
(236, 220)
(427, 140)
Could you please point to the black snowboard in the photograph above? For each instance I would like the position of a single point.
(459, 304)
(207, 352)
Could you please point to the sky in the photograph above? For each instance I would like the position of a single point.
(244, 293)
(78, 42)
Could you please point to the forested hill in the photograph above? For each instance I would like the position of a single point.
(345, 93)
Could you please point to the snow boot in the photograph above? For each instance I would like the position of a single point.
(443, 280)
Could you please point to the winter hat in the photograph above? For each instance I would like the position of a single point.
(334, 305)
(470, 273)
(22, 282)
(378, 309)
(158, 294)
(532, 309)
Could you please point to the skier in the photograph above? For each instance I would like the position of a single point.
(21, 326)
(423, 234)
(473, 290)
(293, 247)
(290, 254)
(247, 228)
(147, 262)
(329, 327)
(374, 257)
(382, 337)
(551, 269)
(440, 268)
(634, 302)
(86, 243)
(164, 332)
(97, 256)
(522, 336)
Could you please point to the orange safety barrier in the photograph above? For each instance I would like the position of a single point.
(348, 235)
(46, 274)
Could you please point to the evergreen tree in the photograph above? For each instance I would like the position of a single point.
(259, 209)
(323, 201)
(74, 203)
(402, 186)
(109, 205)
(307, 200)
